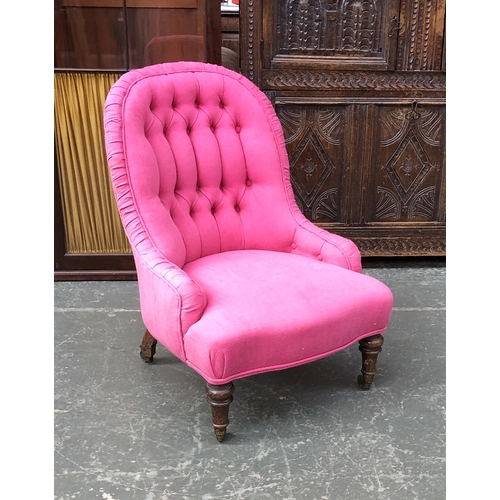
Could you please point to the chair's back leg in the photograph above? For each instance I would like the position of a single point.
(370, 348)
(219, 397)
(148, 347)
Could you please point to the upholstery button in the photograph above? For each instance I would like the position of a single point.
(212, 128)
(237, 208)
(238, 129)
(221, 104)
(320, 257)
(248, 182)
(294, 246)
(212, 209)
(188, 130)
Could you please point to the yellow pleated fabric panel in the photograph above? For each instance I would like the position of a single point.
(91, 218)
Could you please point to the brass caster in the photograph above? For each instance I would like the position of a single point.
(362, 383)
(146, 359)
(220, 434)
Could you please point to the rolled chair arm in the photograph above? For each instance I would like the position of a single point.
(170, 302)
(312, 241)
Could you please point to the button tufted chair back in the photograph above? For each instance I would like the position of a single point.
(206, 168)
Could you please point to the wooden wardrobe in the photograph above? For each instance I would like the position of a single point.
(359, 87)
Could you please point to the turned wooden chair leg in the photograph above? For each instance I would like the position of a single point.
(370, 348)
(219, 397)
(148, 347)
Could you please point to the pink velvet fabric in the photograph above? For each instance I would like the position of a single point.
(201, 178)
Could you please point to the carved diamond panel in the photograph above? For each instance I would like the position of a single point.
(314, 136)
(411, 153)
(310, 166)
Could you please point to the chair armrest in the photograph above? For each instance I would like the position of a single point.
(170, 302)
(312, 241)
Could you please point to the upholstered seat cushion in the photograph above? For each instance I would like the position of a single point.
(270, 310)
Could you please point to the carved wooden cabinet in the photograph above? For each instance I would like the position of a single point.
(359, 87)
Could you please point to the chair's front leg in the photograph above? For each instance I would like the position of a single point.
(219, 397)
(370, 348)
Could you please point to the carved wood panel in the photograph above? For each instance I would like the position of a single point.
(330, 26)
(408, 164)
(421, 35)
(325, 32)
(315, 139)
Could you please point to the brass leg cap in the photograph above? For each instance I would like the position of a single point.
(363, 384)
(220, 434)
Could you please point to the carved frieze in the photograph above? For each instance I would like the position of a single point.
(401, 246)
(353, 80)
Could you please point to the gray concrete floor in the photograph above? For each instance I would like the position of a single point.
(126, 430)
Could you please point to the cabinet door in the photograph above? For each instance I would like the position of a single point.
(407, 165)
(290, 40)
(171, 30)
(322, 33)
(316, 137)
(90, 34)
(119, 35)
(372, 172)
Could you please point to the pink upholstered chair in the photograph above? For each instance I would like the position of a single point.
(233, 279)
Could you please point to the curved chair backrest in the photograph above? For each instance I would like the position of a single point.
(202, 166)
